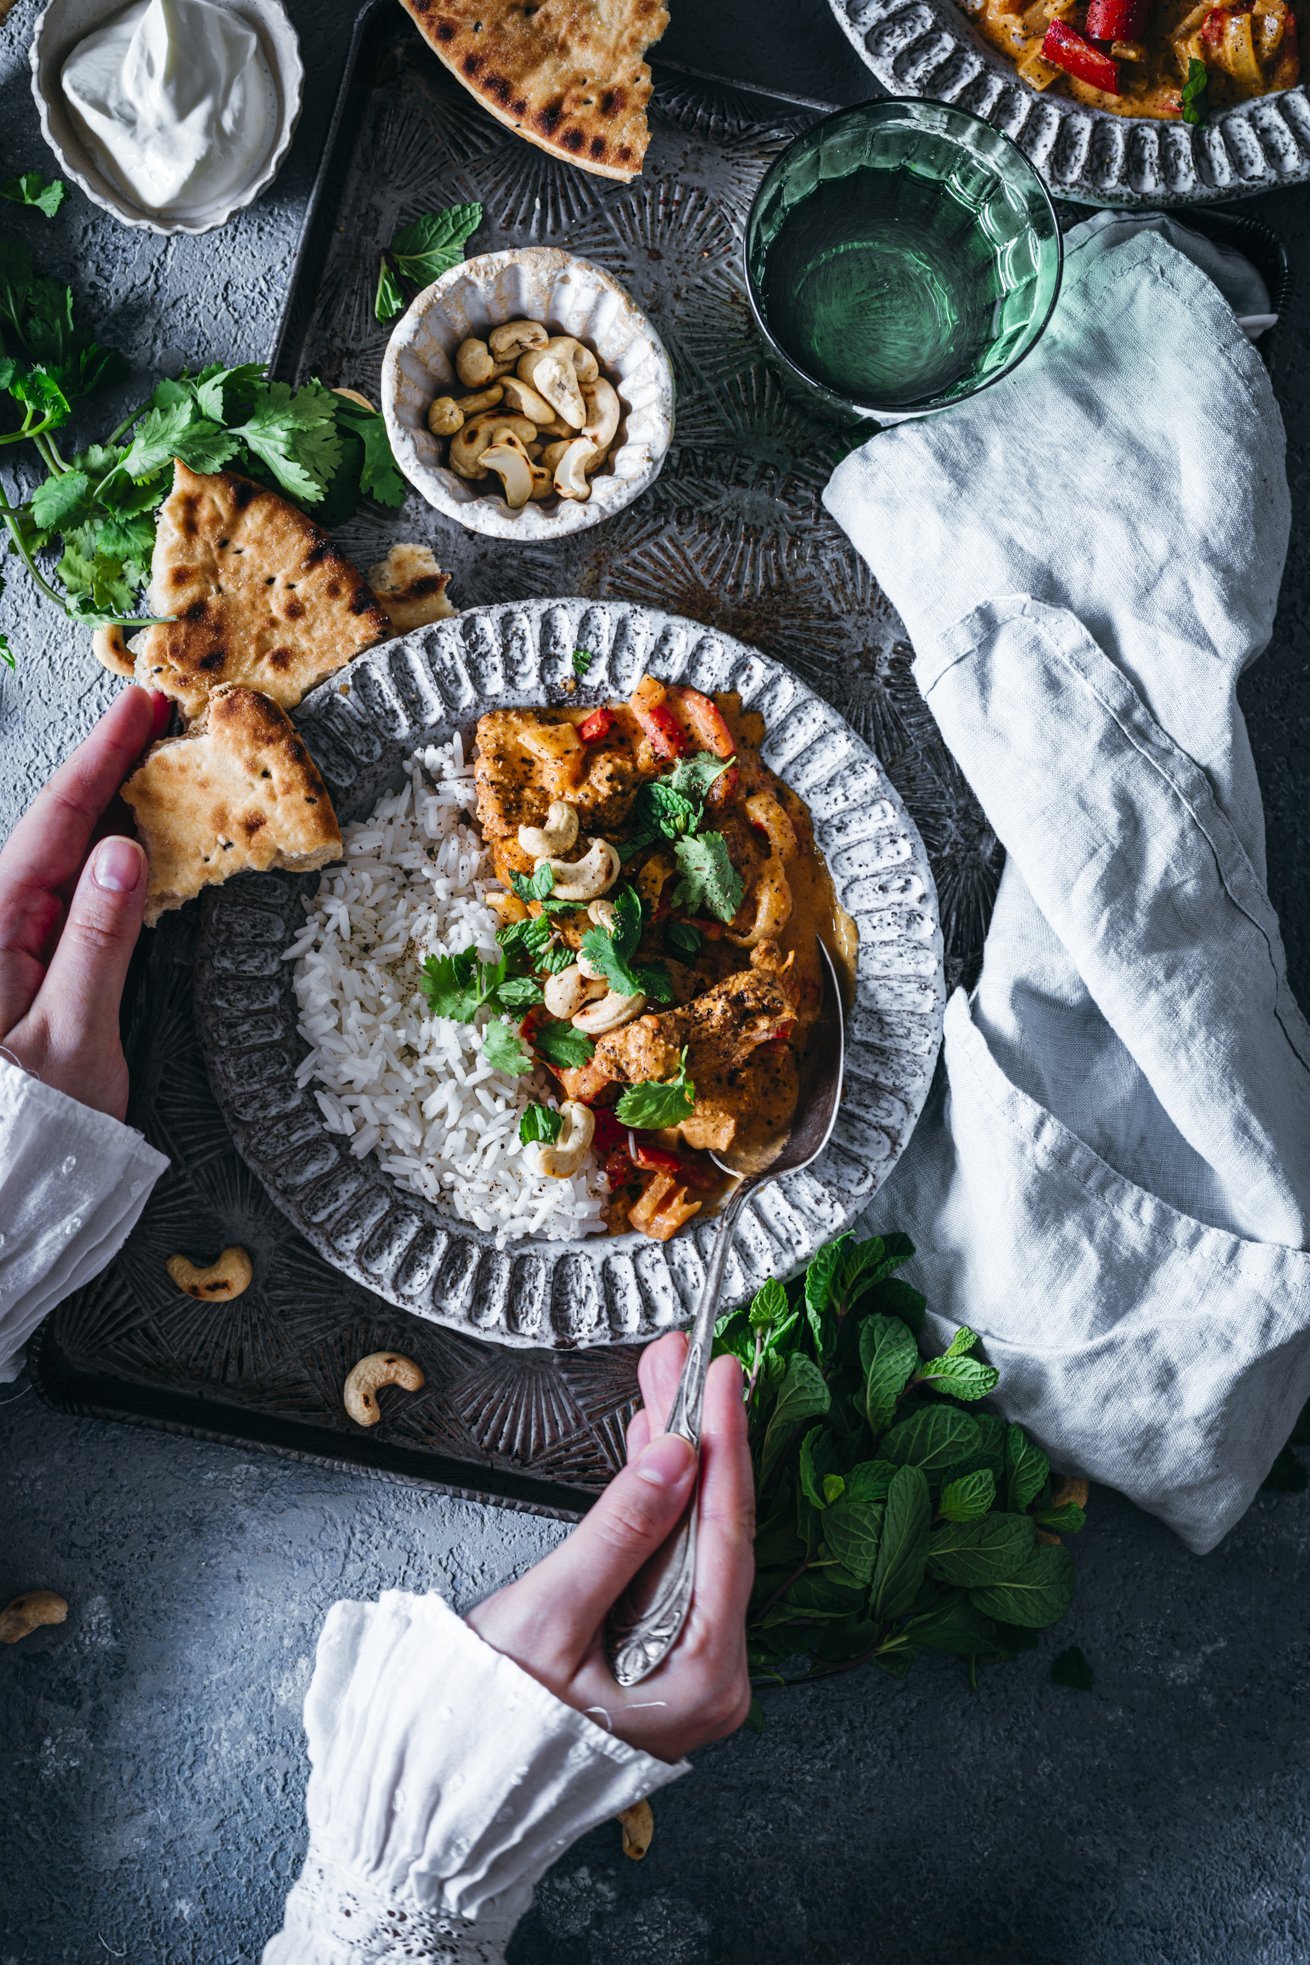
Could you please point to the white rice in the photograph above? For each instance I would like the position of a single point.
(413, 1088)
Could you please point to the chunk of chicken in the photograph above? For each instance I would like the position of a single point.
(526, 758)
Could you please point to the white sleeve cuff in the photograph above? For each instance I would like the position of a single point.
(445, 1780)
(73, 1183)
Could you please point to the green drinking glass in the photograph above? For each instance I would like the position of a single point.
(900, 256)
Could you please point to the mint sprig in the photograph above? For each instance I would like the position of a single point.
(420, 253)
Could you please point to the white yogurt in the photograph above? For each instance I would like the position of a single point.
(177, 103)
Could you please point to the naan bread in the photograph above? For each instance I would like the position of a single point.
(567, 74)
(239, 792)
(411, 588)
(261, 595)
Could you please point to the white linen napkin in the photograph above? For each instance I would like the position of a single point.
(1111, 1180)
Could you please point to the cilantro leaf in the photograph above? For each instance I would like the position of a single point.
(582, 661)
(655, 1103)
(540, 1122)
(505, 1050)
(223, 394)
(379, 476)
(610, 950)
(709, 879)
(30, 188)
(60, 501)
(560, 1044)
(453, 985)
(294, 435)
(1194, 91)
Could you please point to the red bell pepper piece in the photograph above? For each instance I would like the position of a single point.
(618, 1167)
(597, 725)
(1064, 47)
(707, 722)
(1215, 26)
(668, 738)
(663, 1160)
(608, 1132)
(1117, 20)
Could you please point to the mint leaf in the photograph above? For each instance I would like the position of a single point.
(903, 1549)
(817, 1466)
(934, 1438)
(1067, 1519)
(802, 1395)
(540, 1122)
(709, 879)
(853, 1521)
(955, 1625)
(682, 940)
(1027, 1469)
(388, 298)
(582, 661)
(431, 245)
(505, 1050)
(560, 1044)
(31, 189)
(769, 1305)
(517, 993)
(888, 1358)
(1037, 1595)
(977, 1552)
(527, 940)
(654, 1104)
(968, 1498)
(1194, 91)
(961, 1377)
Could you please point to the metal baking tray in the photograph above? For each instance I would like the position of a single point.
(732, 534)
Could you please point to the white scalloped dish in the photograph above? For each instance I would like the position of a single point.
(930, 48)
(534, 1290)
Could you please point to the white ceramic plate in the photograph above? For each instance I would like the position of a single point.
(417, 691)
(929, 48)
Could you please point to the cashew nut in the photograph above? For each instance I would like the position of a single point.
(525, 401)
(582, 880)
(228, 1277)
(379, 1368)
(570, 472)
(543, 484)
(638, 1826)
(611, 1013)
(479, 434)
(553, 377)
(474, 364)
(564, 1157)
(603, 412)
(109, 646)
(28, 1612)
(601, 914)
(570, 349)
(515, 338)
(556, 836)
(565, 993)
(512, 465)
(445, 416)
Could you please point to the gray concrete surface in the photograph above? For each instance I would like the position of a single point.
(151, 1799)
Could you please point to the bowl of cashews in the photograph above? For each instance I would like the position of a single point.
(527, 396)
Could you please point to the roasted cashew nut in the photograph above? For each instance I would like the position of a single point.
(567, 991)
(474, 364)
(603, 412)
(638, 1826)
(379, 1368)
(28, 1612)
(553, 377)
(611, 1013)
(515, 338)
(515, 469)
(601, 914)
(572, 466)
(109, 646)
(556, 836)
(570, 349)
(445, 417)
(220, 1282)
(479, 434)
(543, 484)
(564, 1157)
(582, 880)
(525, 401)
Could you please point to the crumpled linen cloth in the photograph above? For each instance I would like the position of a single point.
(1111, 1179)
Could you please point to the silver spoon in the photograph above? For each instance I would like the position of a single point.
(643, 1626)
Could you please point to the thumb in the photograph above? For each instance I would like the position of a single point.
(637, 1512)
(79, 998)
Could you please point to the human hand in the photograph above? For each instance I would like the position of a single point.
(552, 1621)
(72, 893)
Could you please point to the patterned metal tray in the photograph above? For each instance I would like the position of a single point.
(733, 534)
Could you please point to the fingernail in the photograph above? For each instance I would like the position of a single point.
(118, 866)
(668, 1461)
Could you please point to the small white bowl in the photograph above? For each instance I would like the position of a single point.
(66, 22)
(570, 296)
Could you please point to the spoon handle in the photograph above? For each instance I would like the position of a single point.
(645, 1623)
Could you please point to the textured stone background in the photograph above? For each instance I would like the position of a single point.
(151, 1804)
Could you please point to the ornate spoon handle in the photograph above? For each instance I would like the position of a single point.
(644, 1625)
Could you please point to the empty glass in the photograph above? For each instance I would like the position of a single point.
(900, 256)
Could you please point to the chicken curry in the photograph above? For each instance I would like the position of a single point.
(663, 903)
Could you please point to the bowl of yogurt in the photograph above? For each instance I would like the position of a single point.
(170, 114)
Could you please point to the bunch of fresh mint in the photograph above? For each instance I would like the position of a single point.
(893, 1516)
(91, 516)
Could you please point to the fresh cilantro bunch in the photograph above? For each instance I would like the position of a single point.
(31, 189)
(421, 253)
(671, 809)
(462, 985)
(893, 1519)
(93, 511)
